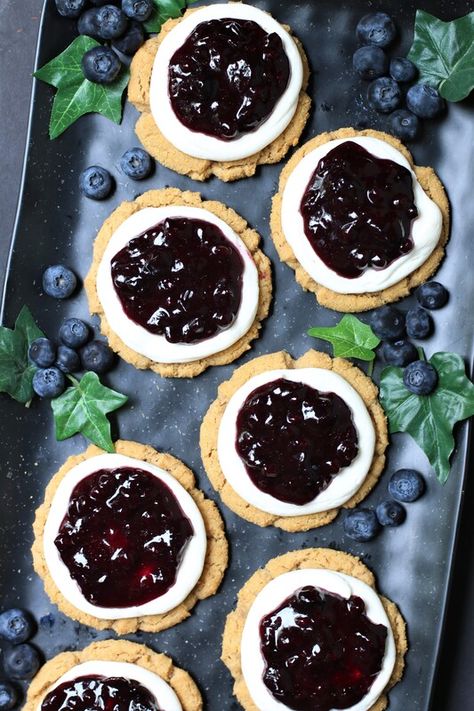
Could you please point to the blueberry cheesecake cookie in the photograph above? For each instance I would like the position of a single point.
(220, 91)
(288, 442)
(179, 283)
(311, 633)
(112, 674)
(125, 541)
(359, 223)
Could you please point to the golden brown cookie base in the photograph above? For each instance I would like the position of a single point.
(251, 238)
(351, 303)
(197, 168)
(296, 560)
(216, 555)
(211, 422)
(116, 651)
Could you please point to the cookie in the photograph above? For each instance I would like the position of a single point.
(209, 436)
(208, 530)
(166, 149)
(312, 558)
(327, 295)
(111, 650)
(132, 336)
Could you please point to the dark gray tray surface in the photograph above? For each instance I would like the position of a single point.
(55, 224)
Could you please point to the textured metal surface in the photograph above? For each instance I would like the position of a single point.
(55, 224)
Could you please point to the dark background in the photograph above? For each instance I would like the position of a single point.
(19, 23)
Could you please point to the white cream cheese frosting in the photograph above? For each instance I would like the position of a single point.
(425, 231)
(191, 565)
(155, 346)
(157, 686)
(345, 483)
(200, 145)
(275, 593)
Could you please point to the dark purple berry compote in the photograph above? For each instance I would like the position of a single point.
(358, 210)
(227, 77)
(181, 279)
(123, 537)
(293, 439)
(100, 693)
(321, 651)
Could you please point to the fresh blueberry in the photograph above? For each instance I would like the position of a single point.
(70, 8)
(419, 323)
(432, 295)
(390, 513)
(361, 524)
(8, 696)
(96, 182)
(406, 485)
(42, 352)
(420, 377)
(424, 101)
(399, 353)
(88, 24)
(370, 62)
(401, 69)
(59, 281)
(49, 382)
(132, 40)
(16, 626)
(376, 28)
(97, 356)
(139, 10)
(68, 360)
(101, 65)
(388, 323)
(404, 124)
(136, 163)
(384, 95)
(21, 662)
(74, 333)
(111, 22)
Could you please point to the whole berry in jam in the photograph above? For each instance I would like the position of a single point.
(432, 295)
(132, 40)
(420, 377)
(136, 163)
(399, 353)
(96, 182)
(425, 101)
(68, 360)
(16, 626)
(376, 28)
(74, 333)
(8, 696)
(21, 662)
(101, 65)
(42, 352)
(139, 10)
(404, 125)
(402, 69)
(388, 323)
(97, 356)
(70, 8)
(384, 95)
(111, 22)
(419, 323)
(49, 382)
(406, 485)
(390, 513)
(370, 62)
(59, 281)
(361, 524)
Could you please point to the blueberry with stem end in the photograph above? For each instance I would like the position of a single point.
(16, 626)
(42, 352)
(136, 164)
(406, 485)
(390, 513)
(388, 323)
(70, 8)
(111, 22)
(96, 183)
(21, 662)
(74, 332)
(424, 101)
(361, 524)
(384, 95)
(139, 10)
(97, 357)
(404, 125)
(49, 382)
(432, 295)
(376, 28)
(59, 281)
(101, 65)
(420, 377)
(8, 696)
(419, 323)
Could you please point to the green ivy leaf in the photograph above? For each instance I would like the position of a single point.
(430, 419)
(16, 371)
(84, 407)
(444, 54)
(75, 94)
(164, 10)
(351, 338)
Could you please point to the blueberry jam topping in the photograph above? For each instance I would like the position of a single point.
(123, 537)
(227, 77)
(357, 210)
(293, 439)
(181, 279)
(321, 651)
(100, 693)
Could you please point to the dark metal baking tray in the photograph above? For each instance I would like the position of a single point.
(55, 224)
